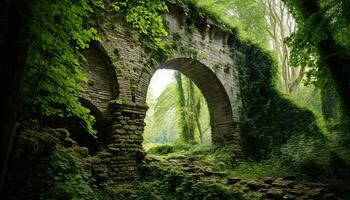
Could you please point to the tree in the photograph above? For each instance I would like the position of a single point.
(318, 42)
(186, 119)
(195, 107)
(237, 13)
(280, 25)
(163, 118)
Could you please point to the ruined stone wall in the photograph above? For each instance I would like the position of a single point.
(202, 52)
(200, 40)
(124, 152)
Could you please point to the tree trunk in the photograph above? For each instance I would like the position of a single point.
(339, 64)
(332, 55)
(195, 105)
(199, 126)
(13, 45)
(185, 127)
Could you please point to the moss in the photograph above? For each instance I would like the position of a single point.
(268, 119)
(156, 181)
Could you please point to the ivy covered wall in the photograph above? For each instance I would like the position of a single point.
(268, 118)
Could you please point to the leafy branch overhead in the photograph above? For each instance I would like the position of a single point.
(53, 74)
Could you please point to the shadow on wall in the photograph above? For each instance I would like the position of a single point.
(77, 131)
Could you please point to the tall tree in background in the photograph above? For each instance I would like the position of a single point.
(195, 106)
(267, 22)
(186, 119)
(163, 118)
(280, 25)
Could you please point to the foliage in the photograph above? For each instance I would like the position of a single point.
(67, 178)
(145, 17)
(308, 158)
(322, 38)
(257, 170)
(218, 158)
(232, 14)
(156, 181)
(53, 74)
(330, 18)
(163, 119)
(268, 119)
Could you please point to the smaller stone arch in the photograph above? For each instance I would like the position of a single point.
(102, 85)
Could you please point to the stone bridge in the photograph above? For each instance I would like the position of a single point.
(120, 68)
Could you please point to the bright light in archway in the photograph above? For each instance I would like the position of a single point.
(159, 81)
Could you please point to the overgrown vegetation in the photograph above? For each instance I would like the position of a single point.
(279, 136)
(321, 42)
(145, 16)
(53, 76)
(306, 158)
(156, 181)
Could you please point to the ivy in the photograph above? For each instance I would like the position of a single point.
(53, 74)
(67, 179)
(268, 119)
(145, 17)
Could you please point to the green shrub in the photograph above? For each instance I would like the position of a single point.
(268, 168)
(67, 179)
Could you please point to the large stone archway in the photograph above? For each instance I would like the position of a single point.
(224, 128)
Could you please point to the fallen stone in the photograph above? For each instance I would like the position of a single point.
(83, 152)
(268, 180)
(274, 193)
(211, 173)
(254, 185)
(69, 142)
(315, 192)
(232, 180)
(289, 197)
(282, 183)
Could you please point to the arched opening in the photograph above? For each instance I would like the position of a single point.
(177, 111)
(223, 128)
(102, 85)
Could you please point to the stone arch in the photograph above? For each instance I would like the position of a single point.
(224, 128)
(102, 85)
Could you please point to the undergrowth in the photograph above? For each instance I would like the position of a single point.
(307, 158)
(155, 181)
